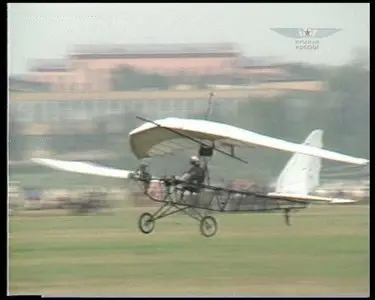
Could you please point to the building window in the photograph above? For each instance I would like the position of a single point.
(38, 115)
(138, 107)
(122, 107)
(217, 108)
(95, 108)
(201, 104)
(165, 105)
(12, 108)
(177, 105)
(64, 108)
(104, 108)
(296, 109)
(191, 105)
(74, 109)
(78, 110)
(130, 104)
(226, 107)
(69, 84)
(89, 107)
(115, 107)
(57, 111)
(183, 105)
(24, 112)
(51, 111)
(125, 106)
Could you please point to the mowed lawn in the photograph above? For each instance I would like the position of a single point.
(324, 252)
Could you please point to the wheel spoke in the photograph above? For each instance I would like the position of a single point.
(208, 226)
(146, 223)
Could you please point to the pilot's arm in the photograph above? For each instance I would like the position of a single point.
(195, 173)
(184, 177)
(187, 175)
(142, 174)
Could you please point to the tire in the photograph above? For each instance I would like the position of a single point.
(208, 226)
(287, 217)
(146, 223)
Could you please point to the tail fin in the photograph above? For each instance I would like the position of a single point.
(301, 175)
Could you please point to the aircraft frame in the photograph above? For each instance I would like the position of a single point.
(158, 138)
(217, 199)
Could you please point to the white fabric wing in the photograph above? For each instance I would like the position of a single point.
(151, 140)
(82, 167)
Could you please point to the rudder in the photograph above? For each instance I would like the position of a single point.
(301, 175)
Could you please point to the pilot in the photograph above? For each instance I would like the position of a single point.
(142, 172)
(194, 176)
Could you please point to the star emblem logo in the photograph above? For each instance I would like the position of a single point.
(307, 32)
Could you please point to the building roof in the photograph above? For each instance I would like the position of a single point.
(50, 65)
(257, 62)
(24, 83)
(154, 48)
(20, 78)
(153, 55)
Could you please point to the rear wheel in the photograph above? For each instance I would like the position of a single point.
(208, 226)
(287, 217)
(146, 223)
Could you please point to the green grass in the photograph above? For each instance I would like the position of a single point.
(325, 252)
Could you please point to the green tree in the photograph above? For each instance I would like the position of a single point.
(350, 79)
(306, 71)
(15, 139)
(351, 85)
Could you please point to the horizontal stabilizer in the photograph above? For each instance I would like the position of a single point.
(310, 198)
(82, 167)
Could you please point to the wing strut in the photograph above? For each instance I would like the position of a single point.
(193, 139)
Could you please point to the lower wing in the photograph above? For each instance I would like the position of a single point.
(310, 198)
(83, 168)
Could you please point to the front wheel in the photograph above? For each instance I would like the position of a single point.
(146, 223)
(208, 226)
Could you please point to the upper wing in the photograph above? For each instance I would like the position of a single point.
(310, 198)
(152, 139)
(82, 167)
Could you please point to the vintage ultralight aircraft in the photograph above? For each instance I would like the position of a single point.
(157, 138)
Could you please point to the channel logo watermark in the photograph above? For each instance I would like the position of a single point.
(306, 38)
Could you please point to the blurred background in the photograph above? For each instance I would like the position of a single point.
(79, 74)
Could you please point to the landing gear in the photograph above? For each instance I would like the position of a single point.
(287, 216)
(146, 223)
(208, 226)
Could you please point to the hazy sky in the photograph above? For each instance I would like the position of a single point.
(48, 30)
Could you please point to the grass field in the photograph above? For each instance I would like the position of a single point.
(325, 252)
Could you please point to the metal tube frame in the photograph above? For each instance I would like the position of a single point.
(165, 210)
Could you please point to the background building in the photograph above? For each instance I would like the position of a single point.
(91, 67)
(98, 91)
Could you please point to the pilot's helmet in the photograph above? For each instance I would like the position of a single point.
(194, 160)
